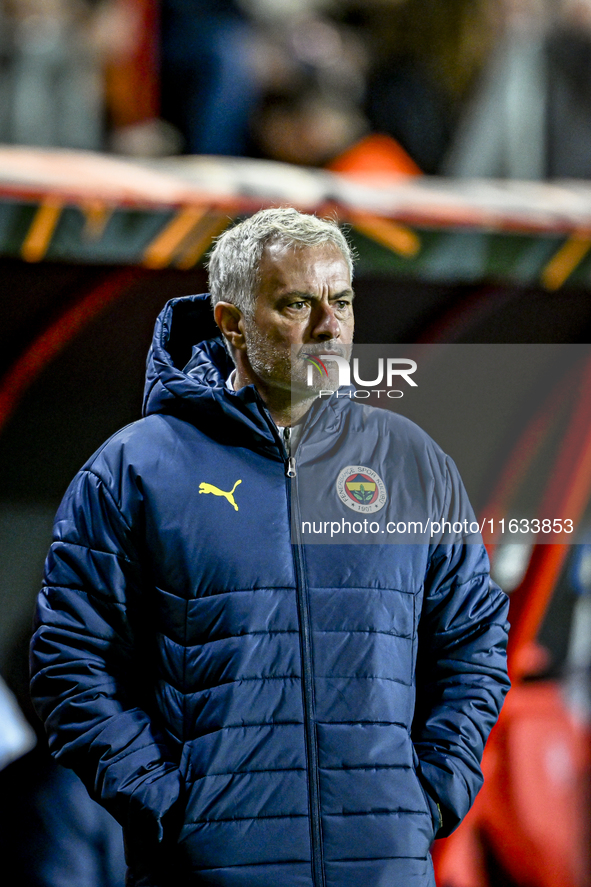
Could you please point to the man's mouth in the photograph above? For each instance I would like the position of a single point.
(319, 350)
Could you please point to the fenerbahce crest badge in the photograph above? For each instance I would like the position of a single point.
(361, 489)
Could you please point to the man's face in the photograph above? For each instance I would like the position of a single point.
(304, 299)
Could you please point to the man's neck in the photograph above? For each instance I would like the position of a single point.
(284, 408)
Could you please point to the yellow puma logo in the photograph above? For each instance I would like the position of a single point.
(209, 488)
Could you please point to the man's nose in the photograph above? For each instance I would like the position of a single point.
(326, 324)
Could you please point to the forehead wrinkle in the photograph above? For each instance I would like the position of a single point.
(347, 291)
(305, 256)
(308, 273)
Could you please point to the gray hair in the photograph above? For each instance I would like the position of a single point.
(233, 263)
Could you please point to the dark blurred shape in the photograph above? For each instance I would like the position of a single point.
(311, 70)
(530, 116)
(406, 102)
(569, 103)
(422, 59)
(51, 833)
(301, 82)
(208, 85)
(307, 129)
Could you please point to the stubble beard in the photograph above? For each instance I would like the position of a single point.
(268, 362)
(272, 366)
(286, 370)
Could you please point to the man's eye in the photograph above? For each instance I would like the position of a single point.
(343, 304)
(298, 305)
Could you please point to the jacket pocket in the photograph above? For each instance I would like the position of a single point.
(431, 804)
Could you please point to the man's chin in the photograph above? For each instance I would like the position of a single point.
(303, 387)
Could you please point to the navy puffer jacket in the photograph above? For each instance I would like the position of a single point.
(254, 710)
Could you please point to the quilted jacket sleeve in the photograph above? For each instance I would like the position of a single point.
(461, 672)
(85, 662)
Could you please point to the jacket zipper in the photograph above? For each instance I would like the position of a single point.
(302, 598)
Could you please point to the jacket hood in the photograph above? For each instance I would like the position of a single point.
(187, 370)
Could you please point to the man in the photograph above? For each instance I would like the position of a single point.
(255, 710)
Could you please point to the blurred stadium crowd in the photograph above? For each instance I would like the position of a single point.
(466, 87)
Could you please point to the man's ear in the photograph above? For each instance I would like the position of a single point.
(230, 322)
